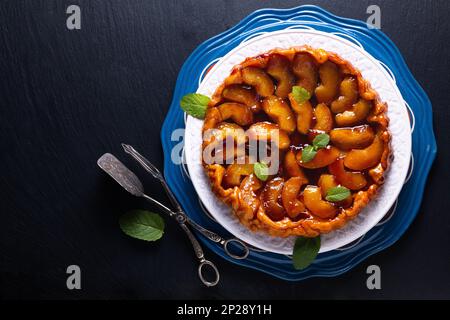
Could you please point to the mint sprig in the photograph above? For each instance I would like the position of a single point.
(142, 224)
(195, 104)
(261, 170)
(320, 141)
(305, 252)
(300, 94)
(308, 153)
(337, 194)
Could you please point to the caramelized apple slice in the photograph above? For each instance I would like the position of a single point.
(247, 195)
(241, 94)
(265, 131)
(270, 198)
(312, 198)
(304, 112)
(222, 131)
(226, 129)
(351, 180)
(279, 68)
(349, 94)
(329, 87)
(323, 158)
(360, 159)
(324, 119)
(280, 112)
(212, 118)
(214, 142)
(357, 114)
(239, 113)
(328, 181)
(289, 196)
(291, 167)
(225, 156)
(258, 79)
(235, 173)
(352, 138)
(305, 68)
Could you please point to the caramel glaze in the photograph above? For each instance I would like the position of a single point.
(258, 204)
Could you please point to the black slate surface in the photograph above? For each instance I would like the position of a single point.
(66, 97)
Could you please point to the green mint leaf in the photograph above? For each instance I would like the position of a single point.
(308, 153)
(195, 104)
(321, 141)
(337, 194)
(261, 171)
(142, 224)
(300, 94)
(305, 251)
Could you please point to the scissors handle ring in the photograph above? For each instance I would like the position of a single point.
(239, 243)
(201, 268)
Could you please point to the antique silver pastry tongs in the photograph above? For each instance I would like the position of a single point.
(148, 166)
(131, 183)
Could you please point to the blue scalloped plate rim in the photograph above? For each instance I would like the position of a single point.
(375, 42)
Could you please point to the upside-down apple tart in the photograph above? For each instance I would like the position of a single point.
(298, 93)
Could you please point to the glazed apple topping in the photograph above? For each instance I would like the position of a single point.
(332, 142)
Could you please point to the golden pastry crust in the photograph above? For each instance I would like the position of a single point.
(346, 102)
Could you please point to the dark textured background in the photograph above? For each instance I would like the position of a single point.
(68, 96)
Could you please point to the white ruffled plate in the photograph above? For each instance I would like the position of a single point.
(379, 79)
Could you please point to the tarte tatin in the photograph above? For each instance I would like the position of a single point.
(258, 97)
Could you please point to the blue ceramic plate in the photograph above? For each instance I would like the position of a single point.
(390, 229)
